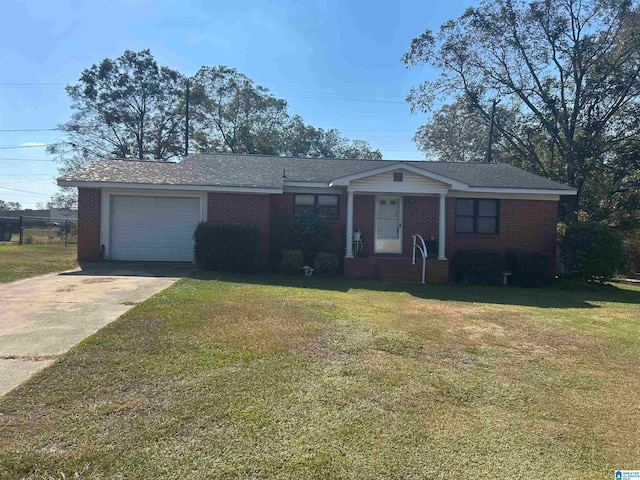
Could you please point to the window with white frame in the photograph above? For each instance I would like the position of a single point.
(477, 215)
(325, 206)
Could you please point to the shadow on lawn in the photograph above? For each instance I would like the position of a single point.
(558, 295)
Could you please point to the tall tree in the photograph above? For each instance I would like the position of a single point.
(125, 108)
(568, 69)
(302, 140)
(10, 206)
(233, 114)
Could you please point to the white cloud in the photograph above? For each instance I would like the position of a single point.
(33, 144)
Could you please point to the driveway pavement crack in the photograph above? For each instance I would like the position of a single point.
(30, 358)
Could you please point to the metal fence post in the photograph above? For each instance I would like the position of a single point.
(21, 232)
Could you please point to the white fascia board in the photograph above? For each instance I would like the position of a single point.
(306, 184)
(400, 166)
(383, 190)
(525, 191)
(151, 186)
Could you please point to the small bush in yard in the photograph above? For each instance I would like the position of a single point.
(326, 264)
(592, 251)
(226, 246)
(292, 262)
(527, 269)
(478, 267)
(310, 234)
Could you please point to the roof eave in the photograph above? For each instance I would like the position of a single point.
(157, 186)
(540, 191)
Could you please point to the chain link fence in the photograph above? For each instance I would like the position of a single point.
(38, 230)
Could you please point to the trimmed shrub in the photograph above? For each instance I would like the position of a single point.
(527, 269)
(279, 238)
(226, 246)
(478, 267)
(591, 251)
(292, 262)
(310, 234)
(326, 264)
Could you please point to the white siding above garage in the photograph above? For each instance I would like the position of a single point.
(411, 184)
(153, 228)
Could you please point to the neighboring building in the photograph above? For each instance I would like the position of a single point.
(63, 214)
(52, 214)
(25, 213)
(147, 210)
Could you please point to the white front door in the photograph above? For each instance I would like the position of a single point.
(388, 225)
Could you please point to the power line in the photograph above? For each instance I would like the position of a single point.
(29, 181)
(30, 129)
(5, 159)
(25, 191)
(11, 147)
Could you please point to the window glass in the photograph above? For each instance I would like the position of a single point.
(465, 207)
(487, 208)
(477, 215)
(464, 224)
(305, 200)
(325, 206)
(389, 209)
(327, 200)
(388, 228)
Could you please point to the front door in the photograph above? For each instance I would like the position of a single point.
(388, 225)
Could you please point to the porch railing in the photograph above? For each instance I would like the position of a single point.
(422, 248)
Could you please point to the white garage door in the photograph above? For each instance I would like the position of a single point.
(153, 228)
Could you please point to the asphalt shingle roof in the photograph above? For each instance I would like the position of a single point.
(262, 171)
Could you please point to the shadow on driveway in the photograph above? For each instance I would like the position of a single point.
(134, 269)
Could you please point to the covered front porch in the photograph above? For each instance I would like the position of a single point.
(388, 213)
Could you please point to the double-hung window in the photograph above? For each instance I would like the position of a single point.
(477, 215)
(325, 206)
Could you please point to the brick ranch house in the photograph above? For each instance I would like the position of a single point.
(148, 210)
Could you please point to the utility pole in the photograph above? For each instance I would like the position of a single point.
(489, 156)
(186, 129)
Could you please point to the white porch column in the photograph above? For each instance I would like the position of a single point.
(442, 228)
(349, 235)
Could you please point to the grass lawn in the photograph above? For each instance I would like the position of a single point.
(23, 261)
(269, 377)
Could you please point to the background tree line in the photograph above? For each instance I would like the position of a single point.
(130, 107)
(561, 79)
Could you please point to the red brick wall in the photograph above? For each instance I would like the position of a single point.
(525, 226)
(88, 224)
(250, 209)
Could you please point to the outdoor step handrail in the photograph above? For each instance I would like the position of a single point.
(423, 251)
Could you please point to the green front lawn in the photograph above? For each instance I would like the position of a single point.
(24, 261)
(270, 377)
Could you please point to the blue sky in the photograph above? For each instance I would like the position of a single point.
(336, 62)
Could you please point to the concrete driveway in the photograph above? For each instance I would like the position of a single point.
(42, 317)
